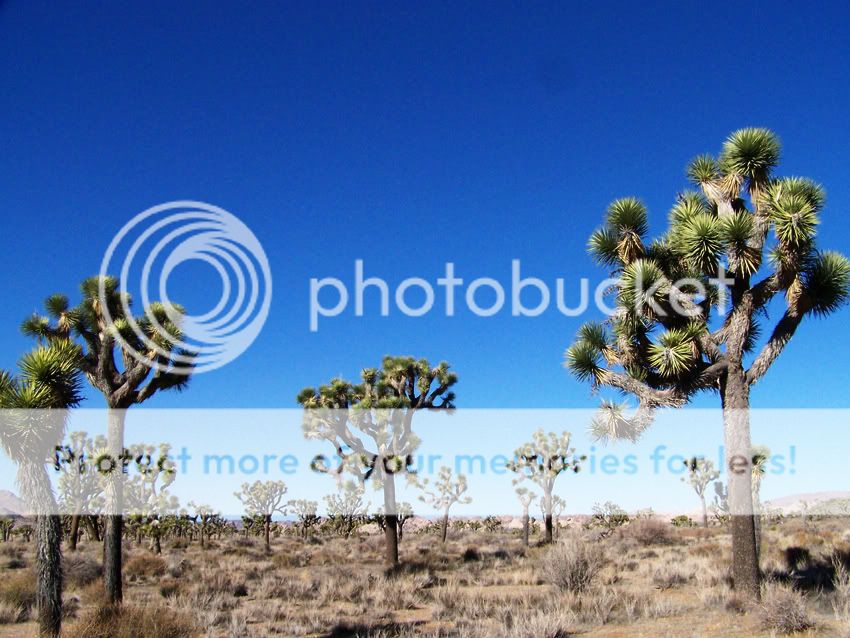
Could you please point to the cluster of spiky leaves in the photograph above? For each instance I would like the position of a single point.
(145, 343)
(34, 401)
(661, 334)
(544, 458)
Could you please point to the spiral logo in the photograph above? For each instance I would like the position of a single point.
(157, 241)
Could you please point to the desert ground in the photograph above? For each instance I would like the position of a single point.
(645, 578)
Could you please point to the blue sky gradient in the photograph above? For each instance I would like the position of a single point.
(407, 137)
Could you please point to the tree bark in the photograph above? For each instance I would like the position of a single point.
(49, 575)
(736, 423)
(445, 527)
(268, 526)
(112, 538)
(548, 537)
(391, 521)
(704, 511)
(526, 524)
(75, 532)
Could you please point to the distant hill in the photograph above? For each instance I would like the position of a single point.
(796, 503)
(11, 505)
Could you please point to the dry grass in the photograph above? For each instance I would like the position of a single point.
(647, 579)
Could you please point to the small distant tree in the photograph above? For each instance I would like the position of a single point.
(146, 496)
(609, 517)
(81, 486)
(541, 461)
(307, 514)
(526, 498)
(373, 422)
(404, 513)
(263, 498)
(759, 454)
(25, 532)
(346, 509)
(204, 517)
(701, 473)
(7, 523)
(443, 493)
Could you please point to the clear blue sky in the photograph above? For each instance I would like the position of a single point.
(408, 137)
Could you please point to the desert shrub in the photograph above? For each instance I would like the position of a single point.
(492, 523)
(16, 563)
(683, 520)
(649, 531)
(471, 554)
(169, 588)
(796, 557)
(130, 622)
(11, 614)
(140, 567)
(79, 571)
(542, 624)
(608, 517)
(669, 576)
(18, 590)
(572, 565)
(784, 610)
(240, 590)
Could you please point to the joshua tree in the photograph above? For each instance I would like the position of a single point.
(38, 400)
(526, 498)
(206, 518)
(147, 495)
(444, 493)
(664, 346)
(151, 361)
(6, 526)
(759, 455)
(381, 407)
(609, 517)
(346, 510)
(701, 473)
(404, 512)
(80, 484)
(263, 498)
(306, 511)
(541, 461)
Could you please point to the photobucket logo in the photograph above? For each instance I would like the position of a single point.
(527, 296)
(157, 241)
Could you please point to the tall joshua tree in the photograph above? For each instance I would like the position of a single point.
(444, 493)
(748, 228)
(701, 473)
(150, 362)
(381, 407)
(33, 424)
(542, 460)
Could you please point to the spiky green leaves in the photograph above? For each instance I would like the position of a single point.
(826, 282)
(620, 241)
(642, 287)
(604, 246)
(703, 169)
(673, 355)
(737, 230)
(793, 205)
(612, 424)
(583, 359)
(688, 205)
(751, 153)
(700, 241)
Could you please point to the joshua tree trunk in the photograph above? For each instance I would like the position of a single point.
(157, 545)
(704, 511)
(736, 424)
(445, 528)
(391, 521)
(38, 494)
(49, 580)
(75, 532)
(268, 525)
(526, 525)
(112, 584)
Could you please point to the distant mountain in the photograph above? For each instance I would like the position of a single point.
(797, 503)
(11, 505)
